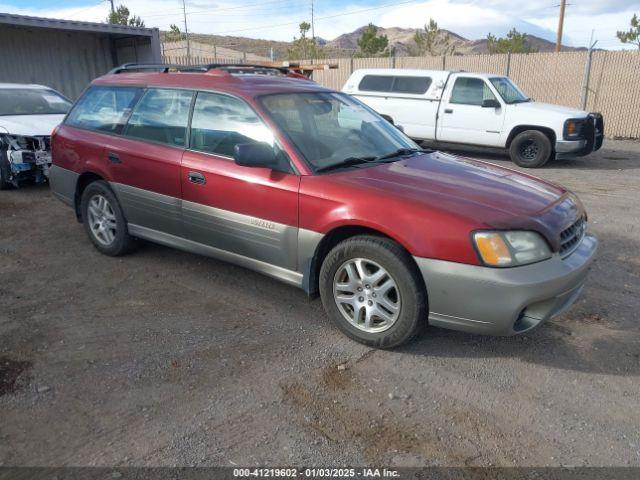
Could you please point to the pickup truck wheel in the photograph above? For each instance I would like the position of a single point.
(530, 149)
(373, 291)
(5, 183)
(104, 220)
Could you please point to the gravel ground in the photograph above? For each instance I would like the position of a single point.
(166, 358)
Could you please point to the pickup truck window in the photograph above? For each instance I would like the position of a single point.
(397, 84)
(220, 122)
(508, 90)
(376, 83)
(413, 85)
(161, 116)
(471, 91)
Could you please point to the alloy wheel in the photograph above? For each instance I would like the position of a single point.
(102, 220)
(366, 295)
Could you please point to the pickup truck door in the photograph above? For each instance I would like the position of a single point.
(247, 211)
(463, 119)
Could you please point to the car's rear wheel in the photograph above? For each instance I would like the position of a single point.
(5, 183)
(372, 290)
(104, 220)
(530, 149)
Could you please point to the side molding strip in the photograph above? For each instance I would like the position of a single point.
(287, 276)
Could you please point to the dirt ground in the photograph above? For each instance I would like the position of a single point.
(166, 358)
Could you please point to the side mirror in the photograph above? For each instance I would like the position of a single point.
(260, 155)
(491, 103)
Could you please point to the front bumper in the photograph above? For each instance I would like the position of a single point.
(593, 138)
(504, 301)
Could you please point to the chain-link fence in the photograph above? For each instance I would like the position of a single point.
(559, 78)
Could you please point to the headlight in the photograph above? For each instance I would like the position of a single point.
(509, 249)
(573, 128)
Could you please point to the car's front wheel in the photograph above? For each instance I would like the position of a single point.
(530, 149)
(104, 220)
(372, 290)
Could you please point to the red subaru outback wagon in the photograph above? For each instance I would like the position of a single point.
(312, 187)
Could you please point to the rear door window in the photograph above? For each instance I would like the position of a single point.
(376, 83)
(413, 85)
(161, 116)
(471, 91)
(104, 108)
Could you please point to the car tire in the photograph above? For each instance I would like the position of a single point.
(387, 291)
(104, 220)
(530, 149)
(5, 169)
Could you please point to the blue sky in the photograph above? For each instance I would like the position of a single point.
(278, 19)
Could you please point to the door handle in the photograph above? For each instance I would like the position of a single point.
(198, 178)
(448, 110)
(114, 157)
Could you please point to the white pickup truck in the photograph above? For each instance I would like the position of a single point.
(477, 109)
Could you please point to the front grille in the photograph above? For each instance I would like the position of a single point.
(571, 237)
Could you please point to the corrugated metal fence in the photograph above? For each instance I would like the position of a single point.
(547, 77)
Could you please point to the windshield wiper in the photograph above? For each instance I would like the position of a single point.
(347, 162)
(402, 152)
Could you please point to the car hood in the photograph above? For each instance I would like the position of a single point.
(566, 112)
(29, 125)
(487, 195)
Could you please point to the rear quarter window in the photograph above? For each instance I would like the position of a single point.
(104, 108)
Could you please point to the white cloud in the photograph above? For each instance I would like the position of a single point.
(278, 20)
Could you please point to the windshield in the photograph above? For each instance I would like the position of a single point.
(508, 90)
(330, 128)
(31, 101)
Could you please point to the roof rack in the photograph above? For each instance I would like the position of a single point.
(165, 68)
(265, 68)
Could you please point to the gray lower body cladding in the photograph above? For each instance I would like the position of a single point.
(504, 301)
(462, 297)
(63, 184)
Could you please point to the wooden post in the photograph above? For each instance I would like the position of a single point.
(563, 4)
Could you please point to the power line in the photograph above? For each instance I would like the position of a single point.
(213, 11)
(85, 9)
(354, 12)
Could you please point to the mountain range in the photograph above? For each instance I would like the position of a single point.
(345, 45)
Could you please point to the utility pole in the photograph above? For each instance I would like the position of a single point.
(113, 10)
(186, 32)
(313, 30)
(313, 26)
(563, 4)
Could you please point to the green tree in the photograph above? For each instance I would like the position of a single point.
(370, 44)
(304, 48)
(174, 34)
(432, 41)
(633, 34)
(121, 16)
(514, 42)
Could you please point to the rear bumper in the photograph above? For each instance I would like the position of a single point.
(505, 301)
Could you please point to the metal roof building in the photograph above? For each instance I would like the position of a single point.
(66, 54)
